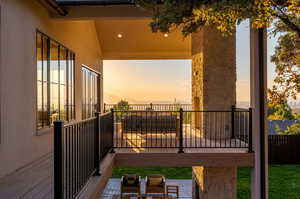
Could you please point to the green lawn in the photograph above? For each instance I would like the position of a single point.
(284, 180)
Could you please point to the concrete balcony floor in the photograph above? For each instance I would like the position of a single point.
(169, 142)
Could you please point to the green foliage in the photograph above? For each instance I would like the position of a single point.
(190, 15)
(287, 53)
(280, 111)
(294, 129)
(278, 129)
(187, 116)
(287, 61)
(122, 106)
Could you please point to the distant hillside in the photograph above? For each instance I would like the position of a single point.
(113, 99)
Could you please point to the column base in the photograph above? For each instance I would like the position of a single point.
(214, 182)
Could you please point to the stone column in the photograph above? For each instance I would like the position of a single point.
(213, 88)
(214, 182)
(213, 81)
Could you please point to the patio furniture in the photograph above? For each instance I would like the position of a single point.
(131, 183)
(155, 184)
(150, 123)
(143, 196)
(173, 190)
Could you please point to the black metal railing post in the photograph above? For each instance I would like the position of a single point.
(58, 160)
(250, 149)
(112, 130)
(97, 144)
(151, 106)
(181, 131)
(232, 121)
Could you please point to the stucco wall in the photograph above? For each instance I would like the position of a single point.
(19, 21)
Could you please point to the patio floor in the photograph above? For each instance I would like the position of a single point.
(112, 189)
(193, 138)
(169, 142)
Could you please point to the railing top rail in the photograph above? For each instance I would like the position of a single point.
(105, 114)
(79, 122)
(226, 111)
(242, 109)
(154, 104)
(192, 111)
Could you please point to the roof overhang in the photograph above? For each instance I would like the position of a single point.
(103, 12)
(138, 41)
(53, 7)
(114, 17)
(93, 2)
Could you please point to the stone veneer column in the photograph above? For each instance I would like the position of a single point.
(213, 88)
(213, 80)
(214, 182)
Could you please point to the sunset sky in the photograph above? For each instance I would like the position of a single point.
(143, 81)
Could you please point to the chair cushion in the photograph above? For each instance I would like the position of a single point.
(155, 180)
(130, 179)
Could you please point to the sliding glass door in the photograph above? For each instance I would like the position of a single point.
(90, 92)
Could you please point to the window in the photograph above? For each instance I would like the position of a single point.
(55, 82)
(90, 92)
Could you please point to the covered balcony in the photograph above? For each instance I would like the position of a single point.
(209, 133)
(182, 130)
(90, 148)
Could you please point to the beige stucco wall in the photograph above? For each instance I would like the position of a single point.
(19, 20)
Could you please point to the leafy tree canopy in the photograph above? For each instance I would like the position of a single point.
(190, 15)
(287, 61)
(280, 111)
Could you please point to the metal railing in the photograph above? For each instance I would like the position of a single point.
(106, 135)
(78, 149)
(183, 129)
(151, 106)
(80, 146)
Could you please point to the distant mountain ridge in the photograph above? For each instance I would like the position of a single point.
(113, 99)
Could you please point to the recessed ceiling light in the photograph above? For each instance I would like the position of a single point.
(120, 36)
(166, 35)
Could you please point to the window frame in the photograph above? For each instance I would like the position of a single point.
(86, 114)
(43, 120)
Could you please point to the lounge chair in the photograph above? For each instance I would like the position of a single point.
(156, 184)
(131, 184)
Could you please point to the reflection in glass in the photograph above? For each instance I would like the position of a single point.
(39, 56)
(62, 80)
(90, 102)
(55, 82)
